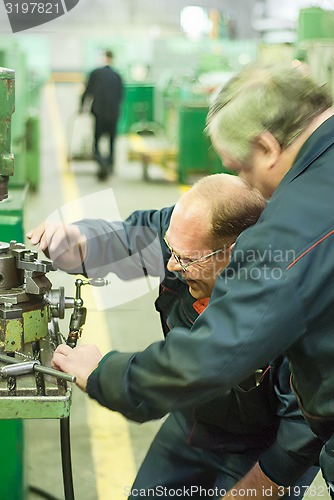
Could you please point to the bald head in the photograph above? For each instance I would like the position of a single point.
(222, 203)
(204, 224)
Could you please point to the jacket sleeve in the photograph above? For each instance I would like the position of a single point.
(121, 88)
(241, 329)
(130, 249)
(296, 448)
(90, 87)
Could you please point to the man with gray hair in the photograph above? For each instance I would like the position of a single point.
(275, 127)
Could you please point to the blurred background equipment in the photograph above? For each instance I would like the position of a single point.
(7, 93)
(177, 59)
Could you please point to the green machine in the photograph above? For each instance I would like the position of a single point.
(197, 157)
(29, 332)
(7, 99)
(25, 132)
(11, 431)
(24, 139)
(11, 207)
(315, 23)
(137, 106)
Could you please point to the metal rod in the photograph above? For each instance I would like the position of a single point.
(54, 373)
(16, 369)
(41, 369)
(8, 359)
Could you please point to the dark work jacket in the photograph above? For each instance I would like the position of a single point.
(276, 295)
(260, 412)
(264, 416)
(241, 418)
(105, 86)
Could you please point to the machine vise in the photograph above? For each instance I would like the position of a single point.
(29, 334)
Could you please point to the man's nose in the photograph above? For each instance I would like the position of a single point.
(173, 265)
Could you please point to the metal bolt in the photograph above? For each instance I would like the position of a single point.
(29, 256)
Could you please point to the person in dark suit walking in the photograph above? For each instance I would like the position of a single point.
(105, 86)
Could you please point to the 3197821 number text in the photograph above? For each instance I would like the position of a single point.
(319, 491)
(32, 8)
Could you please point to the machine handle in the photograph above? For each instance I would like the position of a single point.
(16, 368)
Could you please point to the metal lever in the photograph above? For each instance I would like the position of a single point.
(78, 316)
(17, 368)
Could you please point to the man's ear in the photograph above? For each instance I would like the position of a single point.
(269, 148)
(229, 250)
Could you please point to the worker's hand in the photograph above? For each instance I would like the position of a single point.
(80, 361)
(257, 484)
(62, 243)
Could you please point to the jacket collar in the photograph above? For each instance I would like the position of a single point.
(321, 139)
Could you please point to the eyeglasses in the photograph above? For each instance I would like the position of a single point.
(184, 262)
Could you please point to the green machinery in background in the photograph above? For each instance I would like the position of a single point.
(7, 100)
(315, 23)
(183, 127)
(11, 207)
(197, 157)
(25, 124)
(25, 140)
(183, 101)
(316, 43)
(137, 107)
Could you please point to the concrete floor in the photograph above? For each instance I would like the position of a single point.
(106, 449)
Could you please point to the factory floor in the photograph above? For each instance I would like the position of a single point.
(106, 449)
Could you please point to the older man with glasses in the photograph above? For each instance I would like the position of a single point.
(202, 449)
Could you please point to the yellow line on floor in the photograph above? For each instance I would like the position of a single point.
(69, 186)
(110, 440)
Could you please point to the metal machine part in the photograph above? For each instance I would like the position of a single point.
(24, 308)
(7, 99)
(16, 368)
(29, 334)
(78, 317)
